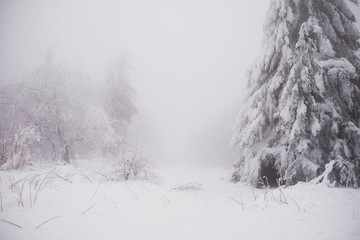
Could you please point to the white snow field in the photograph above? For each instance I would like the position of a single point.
(77, 202)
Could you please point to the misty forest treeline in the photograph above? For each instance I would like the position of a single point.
(59, 113)
(302, 114)
(300, 120)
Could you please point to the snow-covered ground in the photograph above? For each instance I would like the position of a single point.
(76, 202)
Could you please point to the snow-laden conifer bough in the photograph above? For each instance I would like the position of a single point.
(300, 120)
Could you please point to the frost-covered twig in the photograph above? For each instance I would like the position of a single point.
(267, 181)
(241, 203)
(46, 221)
(11, 223)
(282, 194)
(323, 178)
(252, 189)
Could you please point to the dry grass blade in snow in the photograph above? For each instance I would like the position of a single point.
(88, 209)
(65, 179)
(1, 203)
(241, 203)
(96, 190)
(41, 184)
(46, 222)
(102, 174)
(193, 186)
(84, 175)
(11, 223)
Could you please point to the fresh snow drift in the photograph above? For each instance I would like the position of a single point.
(77, 202)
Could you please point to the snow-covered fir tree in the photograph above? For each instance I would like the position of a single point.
(119, 101)
(302, 112)
(120, 93)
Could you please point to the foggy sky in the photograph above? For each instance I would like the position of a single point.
(189, 59)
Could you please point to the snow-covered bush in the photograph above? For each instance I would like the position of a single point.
(4, 146)
(132, 164)
(20, 154)
(68, 111)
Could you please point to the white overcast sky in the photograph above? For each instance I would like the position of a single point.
(189, 57)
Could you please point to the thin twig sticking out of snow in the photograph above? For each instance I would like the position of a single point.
(85, 176)
(106, 197)
(30, 183)
(88, 209)
(252, 189)
(146, 187)
(11, 223)
(96, 190)
(282, 194)
(1, 204)
(46, 221)
(10, 181)
(296, 204)
(165, 200)
(241, 203)
(14, 186)
(133, 193)
(20, 192)
(39, 187)
(63, 178)
(273, 197)
(266, 203)
(107, 179)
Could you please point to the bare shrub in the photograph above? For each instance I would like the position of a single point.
(132, 165)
